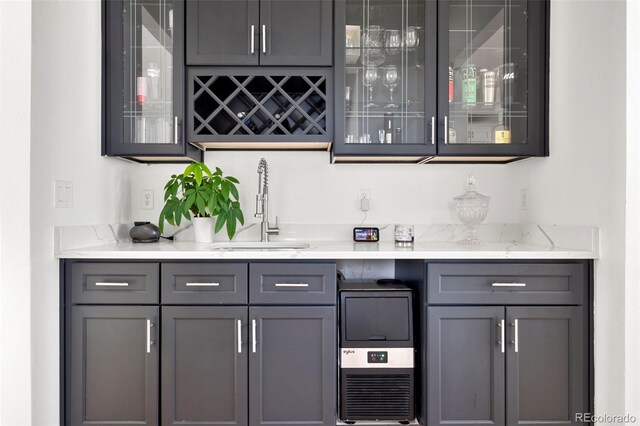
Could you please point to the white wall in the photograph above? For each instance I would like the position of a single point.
(15, 64)
(583, 181)
(632, 266)
(305, 188)
(65, 145)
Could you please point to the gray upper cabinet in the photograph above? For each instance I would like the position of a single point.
(295, 32)
(293, 366)
(204, 366)
(112, 366)
(259, 32)
(222, 32)
(545, 371)
(465, 366)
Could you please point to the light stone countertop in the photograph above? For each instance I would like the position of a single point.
(501, 241)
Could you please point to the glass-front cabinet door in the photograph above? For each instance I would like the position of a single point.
(492, 77)
(385, 80)
(144, 80)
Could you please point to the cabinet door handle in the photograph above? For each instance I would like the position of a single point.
(239, 336)
(253, 336)
(175, 129)
(253, 39)
(264, 39)
(508, 284)
(433, 130)
(123, 284)
(149, 342)
(446, 130)
(501, 342)
(515, 334)
(202, 284)
(292, 285)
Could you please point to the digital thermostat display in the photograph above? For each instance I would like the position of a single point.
(366, 234)
(377, 357)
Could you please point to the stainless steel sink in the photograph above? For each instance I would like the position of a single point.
(271, 245)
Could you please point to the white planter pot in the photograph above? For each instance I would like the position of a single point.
(203, 229)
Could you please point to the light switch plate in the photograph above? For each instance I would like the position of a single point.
(63, 194)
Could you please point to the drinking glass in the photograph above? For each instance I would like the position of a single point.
(369, 78)
(411, 38)
(381, 135)
(153, 76)
(373, 42)
(393, 42)
(390, 80)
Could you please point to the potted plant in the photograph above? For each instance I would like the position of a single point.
(209, 199)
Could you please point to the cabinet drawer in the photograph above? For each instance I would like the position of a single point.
(115, 283)
(512, 283)
(293, 283)
(204, 283)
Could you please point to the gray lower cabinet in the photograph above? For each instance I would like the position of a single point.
(465, 366)
(204, 365)
(501, 365)
(545, 365)
(112, 366)
(292, 366)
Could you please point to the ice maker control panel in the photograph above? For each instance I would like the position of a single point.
(378, 357)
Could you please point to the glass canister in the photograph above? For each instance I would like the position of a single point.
(403, 235)
(472, 208)
(373, 45)
(469, 85)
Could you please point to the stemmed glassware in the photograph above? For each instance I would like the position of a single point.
(393, 42)
(369, 79)
(390, 79)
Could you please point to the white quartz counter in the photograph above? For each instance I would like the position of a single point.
(328, 250)
(510, 242)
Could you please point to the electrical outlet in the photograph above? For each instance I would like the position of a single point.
(147, 199)
(525, 200)
(63, 194)
(364, 199)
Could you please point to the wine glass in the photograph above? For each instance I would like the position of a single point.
(373, 42)
(369, 78)
(347, 97)
(390, 80)
(393, 42)
(411, 38)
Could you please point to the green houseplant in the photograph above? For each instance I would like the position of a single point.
(205, 198)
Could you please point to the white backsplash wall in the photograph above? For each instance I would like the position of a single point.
(305, 188)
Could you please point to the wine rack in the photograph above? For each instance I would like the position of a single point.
(259, 105)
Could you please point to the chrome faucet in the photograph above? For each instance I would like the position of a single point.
(262, 202)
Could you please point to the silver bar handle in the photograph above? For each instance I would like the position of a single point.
(433, 130)
(253, 39)
(264, 39)
(202, 284)
(508, 284)
(515, 335)
(292, 285)
(501, 342)
(253, 336)
(175, 129)
(446, 130)
(239, 336)
(149, 342)
(123, 284)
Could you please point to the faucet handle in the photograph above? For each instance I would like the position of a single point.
(275, 229)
